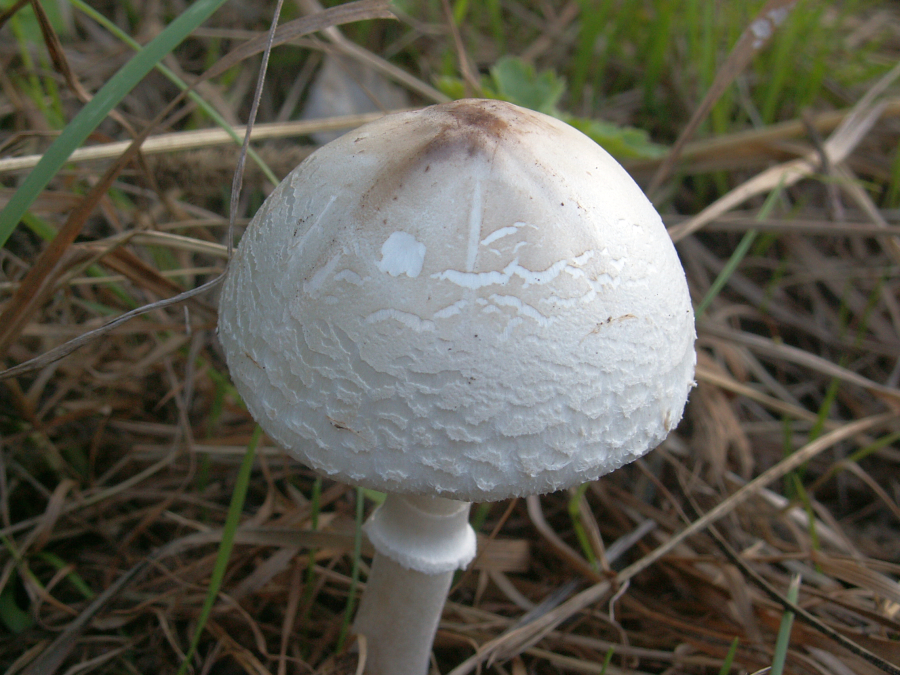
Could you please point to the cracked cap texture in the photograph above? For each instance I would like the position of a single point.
(473, 300)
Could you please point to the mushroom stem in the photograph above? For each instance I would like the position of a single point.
(399, 615)
(419, 543)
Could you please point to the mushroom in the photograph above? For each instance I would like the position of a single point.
(464, 303)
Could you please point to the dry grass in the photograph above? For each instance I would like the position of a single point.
(118, 463)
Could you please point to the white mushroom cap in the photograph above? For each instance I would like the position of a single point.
(473, 300)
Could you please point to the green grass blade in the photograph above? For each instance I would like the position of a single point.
(574, 507)
(94, 112)
(892, 198)
(606, 660)
(178, 82)
(354, 575)
(784, 631)
(594, 19)
(482, 511)
(656, 51)
(309, 587)
(803, 497)
(73, 577)
(232, 520)
(882, 442)
(737, 256)
(733, 262)
(729, 657)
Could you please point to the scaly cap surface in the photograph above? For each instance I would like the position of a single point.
(473, 300)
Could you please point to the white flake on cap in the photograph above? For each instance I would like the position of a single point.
(402, 254)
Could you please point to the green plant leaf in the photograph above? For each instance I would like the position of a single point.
(452, 87)
(12, 616)
(518, 82)
(620, 142)
(94, 112)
